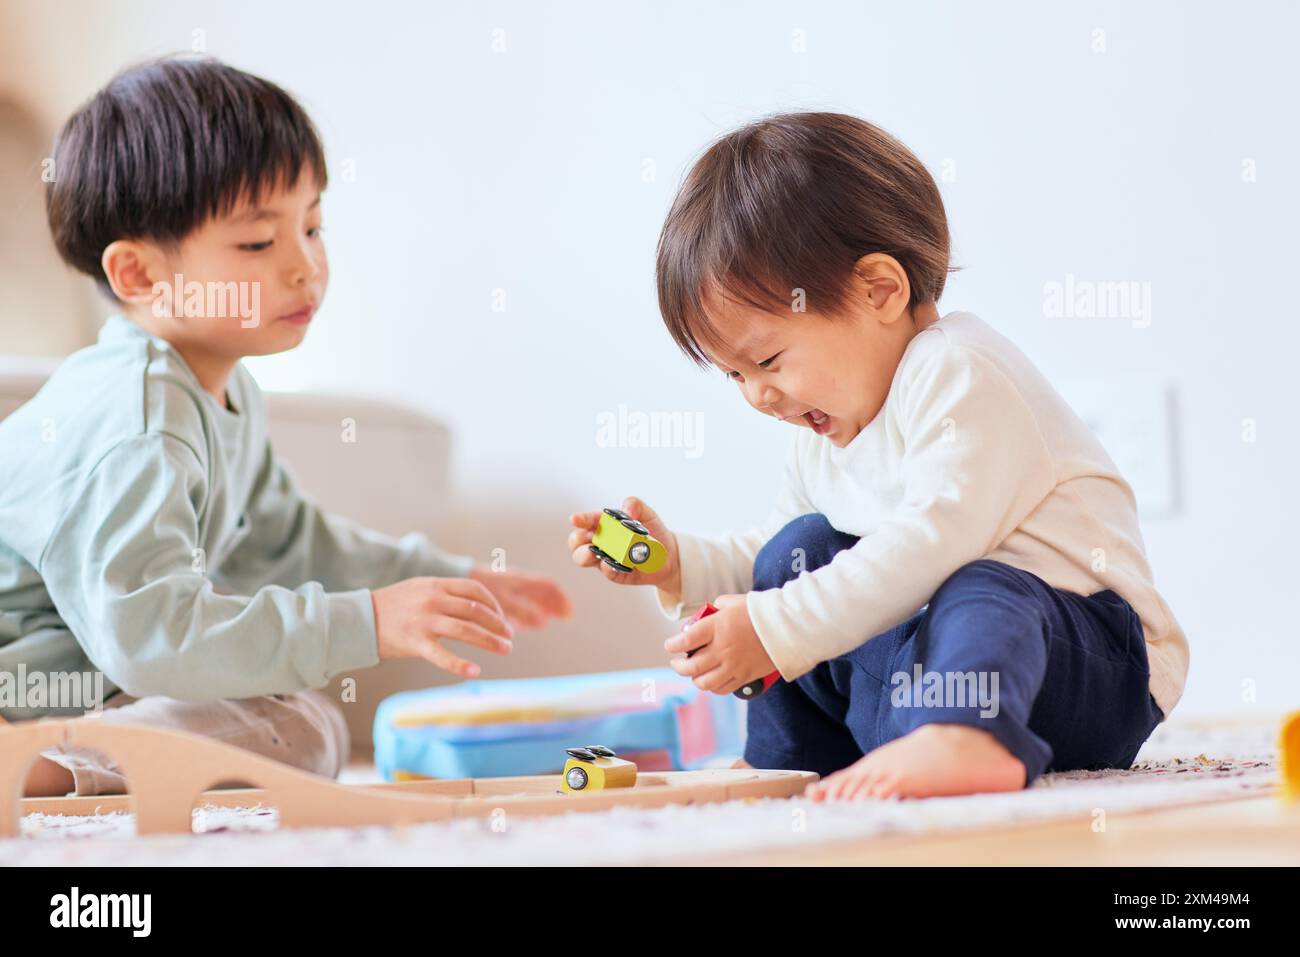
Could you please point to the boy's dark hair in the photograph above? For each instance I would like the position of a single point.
(167, 145)
(790, 202)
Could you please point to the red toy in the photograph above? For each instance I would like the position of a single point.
(754, 688)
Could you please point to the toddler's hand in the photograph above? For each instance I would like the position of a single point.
(584, 527)
(727, 652)
(414, 617)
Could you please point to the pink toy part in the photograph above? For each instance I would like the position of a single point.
(695, 724)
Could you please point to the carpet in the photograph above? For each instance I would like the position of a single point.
(1185, 762)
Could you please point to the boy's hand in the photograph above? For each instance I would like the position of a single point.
(527, 599)
(414, 617)
(728, 654)
(669, 577)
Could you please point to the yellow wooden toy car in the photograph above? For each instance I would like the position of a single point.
(626, 545)
(595, 767)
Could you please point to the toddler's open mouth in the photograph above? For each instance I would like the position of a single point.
(818, 420)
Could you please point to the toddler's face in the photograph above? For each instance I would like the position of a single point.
(250, 281)
(830, 375)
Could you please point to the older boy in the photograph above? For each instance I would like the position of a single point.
(147, 528)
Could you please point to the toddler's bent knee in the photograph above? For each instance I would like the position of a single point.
(985, 576)
(804, 544)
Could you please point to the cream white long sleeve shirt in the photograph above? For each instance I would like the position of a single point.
(973, 455)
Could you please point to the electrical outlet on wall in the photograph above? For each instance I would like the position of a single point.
(1136, 421)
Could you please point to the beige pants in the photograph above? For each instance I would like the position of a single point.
(304, 730)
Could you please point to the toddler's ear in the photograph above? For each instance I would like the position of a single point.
(133, 269)
(883, 285)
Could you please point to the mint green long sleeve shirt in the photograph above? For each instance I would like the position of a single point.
(150, 532)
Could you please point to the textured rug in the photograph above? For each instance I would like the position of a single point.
(1184, 763)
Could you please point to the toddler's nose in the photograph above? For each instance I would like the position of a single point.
(764, 397)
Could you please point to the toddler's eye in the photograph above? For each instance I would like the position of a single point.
(732, 375)
(767, 362)
(315, 231)
(255, 247)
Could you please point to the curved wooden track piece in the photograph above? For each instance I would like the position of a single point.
(169, 772)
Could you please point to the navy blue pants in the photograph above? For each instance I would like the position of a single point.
(1071, 671)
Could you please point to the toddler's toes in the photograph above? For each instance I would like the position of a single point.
(845, 783)
(864, 789)
(885, 786)
(842, 782)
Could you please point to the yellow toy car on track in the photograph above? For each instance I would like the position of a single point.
(596, 767)
(625, 545)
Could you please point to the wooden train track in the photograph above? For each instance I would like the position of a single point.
(171, 772)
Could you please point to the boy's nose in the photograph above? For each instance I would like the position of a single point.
(303, 267)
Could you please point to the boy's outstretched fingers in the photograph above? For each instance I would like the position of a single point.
(475, 591)
(547, 595)
(439, 656)
(527, 598)
(533, 599)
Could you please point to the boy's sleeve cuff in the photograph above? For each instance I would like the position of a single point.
(457, 566)
(432, 561)
(353, 643)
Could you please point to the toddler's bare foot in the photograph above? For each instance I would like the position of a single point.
(935, 760)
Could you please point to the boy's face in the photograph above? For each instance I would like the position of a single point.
(828, 375)
(250, 281)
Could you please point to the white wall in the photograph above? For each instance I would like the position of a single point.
(524, 171)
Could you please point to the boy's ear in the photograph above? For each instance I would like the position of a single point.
(132, 268)
(883, 286)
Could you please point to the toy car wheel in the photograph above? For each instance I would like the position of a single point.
(576, 779)
(636, 526)
(616, 513)
(608, 560)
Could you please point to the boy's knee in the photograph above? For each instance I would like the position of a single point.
(327, 743)
(804, 544)
(304, 730)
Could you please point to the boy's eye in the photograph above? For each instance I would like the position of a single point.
(732, 375)
(313, 232)
(767, 362)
